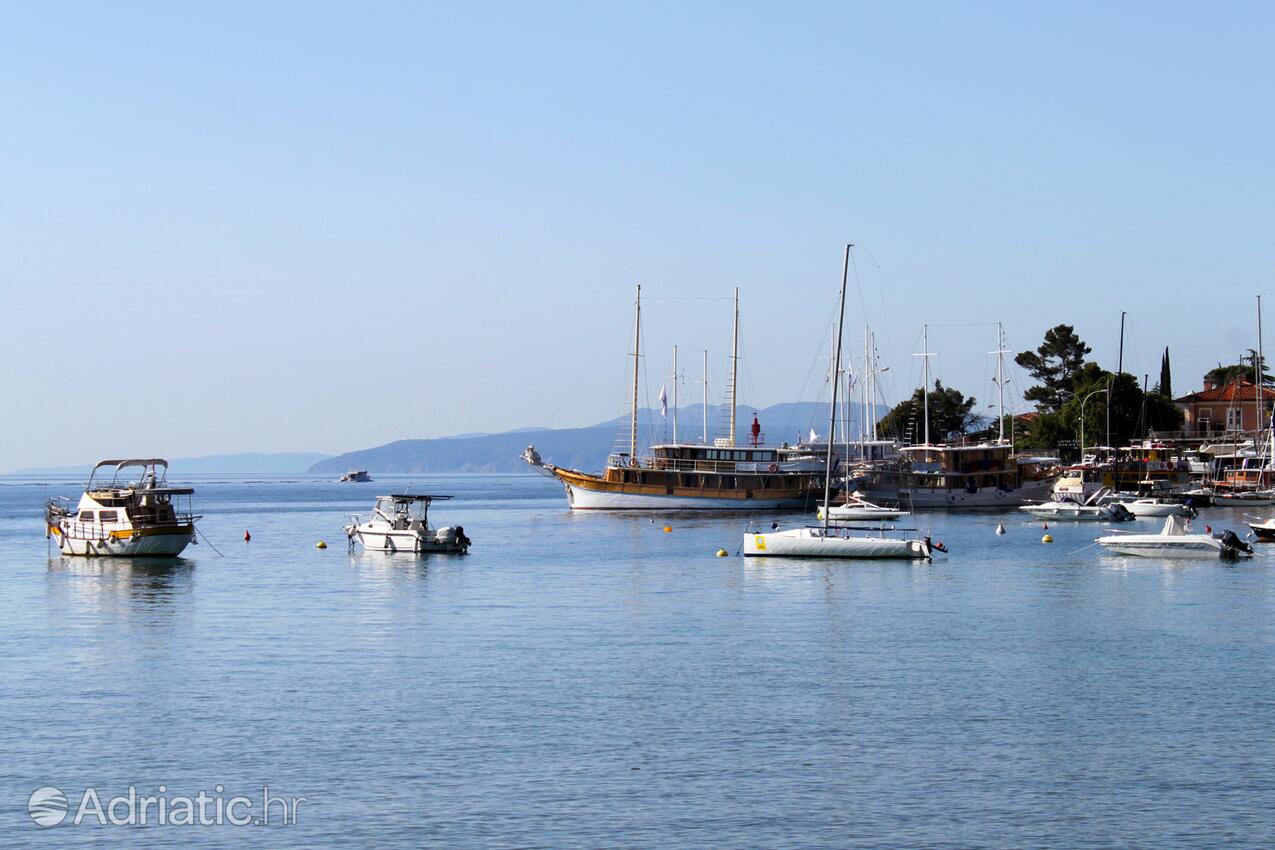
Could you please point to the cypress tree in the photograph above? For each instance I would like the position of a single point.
(1166, 375)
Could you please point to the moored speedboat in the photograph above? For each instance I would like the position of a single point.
(1264, 530)
(1148, 506)
(123, 518)
(1176, 540)
(1092, 510)
(400, 523)
(356, 476)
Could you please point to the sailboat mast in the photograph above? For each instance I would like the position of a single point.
(637, 348)
(734, 367)
(674, 393)
(1000, 381)
(872, 378)
(832, 424)
(1260, 369)
(706, 396)
(925, 382)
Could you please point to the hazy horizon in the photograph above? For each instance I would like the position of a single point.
(319, 228)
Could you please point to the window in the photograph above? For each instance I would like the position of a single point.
(108, 516)
(712, 454)
(1234, 418)
(86, 516)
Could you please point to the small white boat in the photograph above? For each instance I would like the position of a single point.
(835, 541)
(1149, 506)
(1097, 508)
(356, 476)
(123, 518)
(857, 508)
(1244, 499)
(1176, 540)
(400, 523)
(1264, 530)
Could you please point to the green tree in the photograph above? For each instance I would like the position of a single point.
(1129, 419)
(951, 412)
(1166, 376)
(1242, 370)
(1054, 364)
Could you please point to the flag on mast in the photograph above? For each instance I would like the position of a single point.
(663, 400)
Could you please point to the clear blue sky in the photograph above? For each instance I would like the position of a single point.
(317, 227)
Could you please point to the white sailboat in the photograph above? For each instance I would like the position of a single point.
(827, 540)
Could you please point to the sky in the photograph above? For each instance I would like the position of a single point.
(322, 227)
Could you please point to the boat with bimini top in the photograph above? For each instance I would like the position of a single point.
(121, 517)
(400, 523)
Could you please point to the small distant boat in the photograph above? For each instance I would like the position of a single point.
(356, 476)
(123, 518)
(857, 508)
(1244, 499)
(400, 523)
(1093, 509)
(1175, 540)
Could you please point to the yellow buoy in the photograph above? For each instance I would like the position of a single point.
(1048, 538)
(722, 553)
(320, 545)
(668, 528)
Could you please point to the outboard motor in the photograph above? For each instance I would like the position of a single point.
(1119, 513)
(1233, 548)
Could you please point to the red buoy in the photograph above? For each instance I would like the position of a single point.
(247, 537)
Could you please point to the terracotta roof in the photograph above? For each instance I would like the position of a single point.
(1234, 391)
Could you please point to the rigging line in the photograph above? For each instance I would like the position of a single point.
(596, 354)
(687, 298)
(209, 542)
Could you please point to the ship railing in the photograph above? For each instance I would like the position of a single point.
(102, 530)
(728, 467)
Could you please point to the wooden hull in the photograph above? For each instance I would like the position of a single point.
(663, 491)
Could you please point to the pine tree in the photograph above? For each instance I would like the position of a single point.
(1166, 375)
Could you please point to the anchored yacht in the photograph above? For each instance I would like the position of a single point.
(120, 517)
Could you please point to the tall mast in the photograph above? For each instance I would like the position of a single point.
(872, 377)
(705, 396)
(925, 380)
(734, 367)
(832, 424)
(674, 393)
(637, 348)
(1000, 353)
(1260, 369)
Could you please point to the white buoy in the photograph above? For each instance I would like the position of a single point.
(1000, 529)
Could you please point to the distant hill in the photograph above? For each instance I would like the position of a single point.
(281, 462)
(580, 448)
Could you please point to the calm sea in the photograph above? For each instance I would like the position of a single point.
(593, 681)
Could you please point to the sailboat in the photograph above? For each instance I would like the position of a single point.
(720, 475)
(835, 541)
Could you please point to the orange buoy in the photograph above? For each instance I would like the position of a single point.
(247, 537)
(668, 528)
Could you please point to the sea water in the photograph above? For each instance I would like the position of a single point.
(591, 680)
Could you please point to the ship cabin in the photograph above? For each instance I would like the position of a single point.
(726, 467)
(963, 467)
(119, 504)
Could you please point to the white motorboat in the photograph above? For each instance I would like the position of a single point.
(1176, 540)
(356, 476)
(1264, 530)
(1150, 506)
(400, 523)
(1094, 509)
(123, 518)
(857, 508)
(837, 541)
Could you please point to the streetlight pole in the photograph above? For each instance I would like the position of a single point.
(1082, 420)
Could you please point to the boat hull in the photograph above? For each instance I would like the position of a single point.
(812, 543)
(1068, 514)
(963, 499)
(403, 541)
(141, 543)
(1205, 546)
